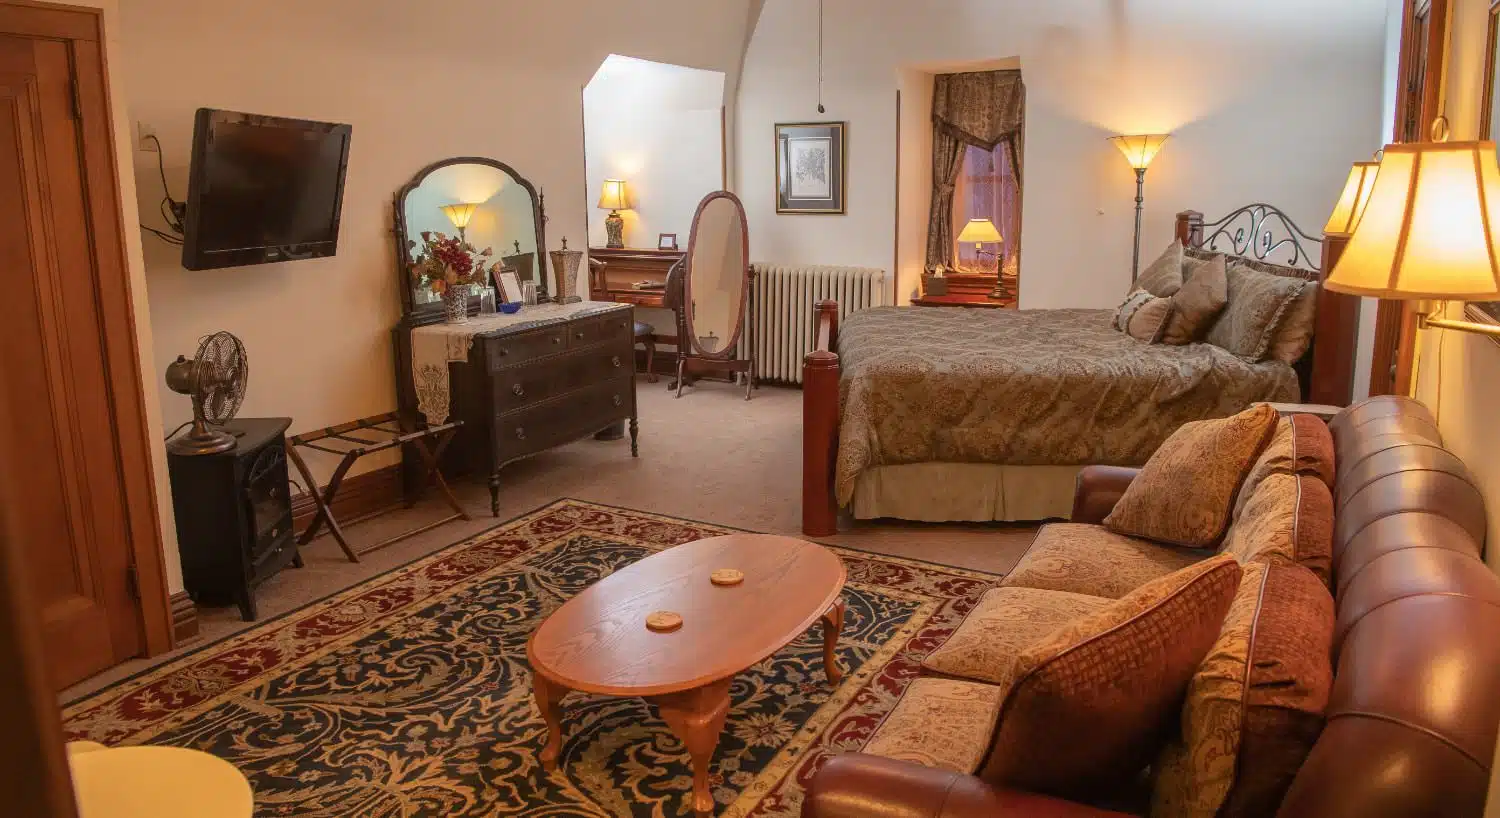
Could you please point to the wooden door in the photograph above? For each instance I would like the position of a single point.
(69, 513)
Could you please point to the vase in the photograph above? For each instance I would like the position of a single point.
(565, 264)
(456, 304)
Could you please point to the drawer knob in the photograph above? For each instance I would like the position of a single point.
(520, 433)
(503, 352)
(556, 341)
(518, 390)
(615, 360)
(578, 335)
(619, 400)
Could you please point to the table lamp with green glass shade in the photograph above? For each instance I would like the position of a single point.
(1427, 231)
(980, 232)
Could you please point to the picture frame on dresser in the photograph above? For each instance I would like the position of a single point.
(1489, 128)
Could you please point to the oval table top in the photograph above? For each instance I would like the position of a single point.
(157, 782)
(598, 642)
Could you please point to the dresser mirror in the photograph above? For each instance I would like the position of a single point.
(490, 206)
(715, 288)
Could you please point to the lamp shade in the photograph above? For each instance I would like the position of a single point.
(1428, 229)
(460, 214)
(978, 230)
(1140, 149)
(1351, 204)
(614, 196)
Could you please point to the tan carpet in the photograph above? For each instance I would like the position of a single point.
(709, 456)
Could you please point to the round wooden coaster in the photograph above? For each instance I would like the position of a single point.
(663, 621)
(727, 576)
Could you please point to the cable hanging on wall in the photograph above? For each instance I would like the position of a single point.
(820, 56)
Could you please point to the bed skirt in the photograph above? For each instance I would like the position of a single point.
(965, 492)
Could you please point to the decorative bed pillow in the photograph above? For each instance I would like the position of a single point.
(1116, 677)
(1256, 704)
(1185, 493)
(1295, 332)
(1163, 277)
(1198, 302)
(1143, 316)
(1257, 304)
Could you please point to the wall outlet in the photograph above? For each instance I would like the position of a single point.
(145, 138)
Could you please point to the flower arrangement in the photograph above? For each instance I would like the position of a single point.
(448, 261)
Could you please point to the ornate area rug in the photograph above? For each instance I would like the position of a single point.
(410, 695)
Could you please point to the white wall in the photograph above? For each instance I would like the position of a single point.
(1267, 101)
(658, 127)
(505, 81)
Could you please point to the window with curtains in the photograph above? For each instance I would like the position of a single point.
(986, 188)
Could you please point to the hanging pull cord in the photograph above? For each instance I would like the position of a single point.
(820, 56)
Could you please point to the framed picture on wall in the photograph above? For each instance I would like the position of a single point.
(1489, 128)
(810, 165)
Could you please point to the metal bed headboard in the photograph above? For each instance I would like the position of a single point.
(1257, 231)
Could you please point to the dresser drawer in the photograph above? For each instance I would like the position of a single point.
(612, 327)
(569, 417)
(512, 350)
(523, 386)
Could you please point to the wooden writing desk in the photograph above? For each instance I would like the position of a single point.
(625, 266)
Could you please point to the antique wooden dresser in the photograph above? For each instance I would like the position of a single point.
(523, 383)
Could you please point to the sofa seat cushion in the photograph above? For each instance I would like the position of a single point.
(1006, 621)
(1185, 493)
(1092, 560)
(1093, 703)
(1302, 444)
(1287, 518)
(1255, 706)
(942, 723)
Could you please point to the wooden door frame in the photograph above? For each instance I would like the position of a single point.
(83, 29)
(1393, 356)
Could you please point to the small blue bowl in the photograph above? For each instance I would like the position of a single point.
(510, 307)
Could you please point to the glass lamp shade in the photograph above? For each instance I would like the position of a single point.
(979, 230)
(460, 214)
(1140, 149)
(614, 195)
(1352, 202)
(1428, 229)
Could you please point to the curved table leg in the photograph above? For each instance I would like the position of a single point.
(833, 625)
(549, 696)
(697, 717)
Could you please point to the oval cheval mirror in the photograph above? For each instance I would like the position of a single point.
(716, 287)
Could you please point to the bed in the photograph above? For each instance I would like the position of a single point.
(937, 414)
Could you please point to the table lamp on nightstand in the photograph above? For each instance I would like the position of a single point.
(614, 198)
(980, 232)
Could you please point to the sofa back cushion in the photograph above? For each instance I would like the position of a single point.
(1185, 493)
(1116, 677)
(1255, 706)
(1287, 518)
(1302, 445)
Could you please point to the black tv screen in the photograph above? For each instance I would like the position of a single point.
(263, 189)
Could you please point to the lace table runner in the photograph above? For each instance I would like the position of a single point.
(435, 345)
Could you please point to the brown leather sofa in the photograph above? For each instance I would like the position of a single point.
(1411, 724)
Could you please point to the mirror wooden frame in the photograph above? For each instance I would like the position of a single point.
(691, 356)
(1488, 311)
(432, 312)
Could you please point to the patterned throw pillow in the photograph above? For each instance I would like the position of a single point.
(1255, 706)
(1257, 303)
(1143, 316)
(1185, 493)
(1163, 277)
(1095, 701)
(1302, 444)
(1198, 303)
(1287, 518)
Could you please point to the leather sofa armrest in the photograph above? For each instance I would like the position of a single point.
(855, 785)
(1097, 491)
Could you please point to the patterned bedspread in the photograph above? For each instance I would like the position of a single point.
(1027, 387)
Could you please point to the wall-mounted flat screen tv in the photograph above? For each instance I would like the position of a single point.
(263, 189)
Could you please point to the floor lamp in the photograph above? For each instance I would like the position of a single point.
(1139, 150)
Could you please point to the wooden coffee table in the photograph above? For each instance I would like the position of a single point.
(597, 642)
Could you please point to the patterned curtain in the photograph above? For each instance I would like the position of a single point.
(981, 109)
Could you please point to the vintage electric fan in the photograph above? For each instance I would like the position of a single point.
(215, 379)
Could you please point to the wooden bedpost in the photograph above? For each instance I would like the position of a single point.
(820, 423)
(1335, 337)
(1190, 228)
